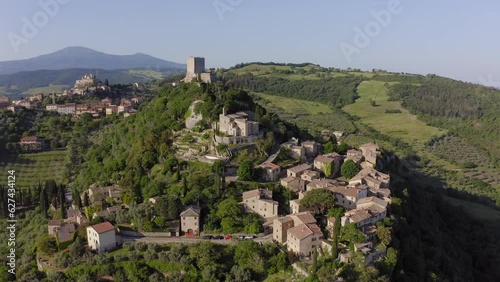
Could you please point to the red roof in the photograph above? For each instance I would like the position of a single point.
(31, 139)
(270, 165)
(55, 222)
(103, 227)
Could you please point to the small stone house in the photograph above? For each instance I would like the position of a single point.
(271, 171)
(190, 221)
(261, 202)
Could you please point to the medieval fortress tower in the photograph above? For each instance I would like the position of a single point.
(196, 70)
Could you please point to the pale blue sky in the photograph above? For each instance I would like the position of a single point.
(459, 38)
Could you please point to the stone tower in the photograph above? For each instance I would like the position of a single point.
(195, 67)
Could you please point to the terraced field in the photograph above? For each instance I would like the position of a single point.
(34, 167)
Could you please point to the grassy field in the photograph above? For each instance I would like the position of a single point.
(295, 105)
(47, 89)
(402, 125)
(33, 167)
(477, 210)
(149, 74)
(312, 116)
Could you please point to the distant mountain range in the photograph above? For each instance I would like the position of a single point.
(85, 58)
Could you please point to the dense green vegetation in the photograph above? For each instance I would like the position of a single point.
(469, 110)
(335, 91)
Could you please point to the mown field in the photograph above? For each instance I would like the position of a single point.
(58, 88)
(34, 167)
(312, 116)
(403, 125)
(297, 72)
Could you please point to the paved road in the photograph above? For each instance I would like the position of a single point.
(165, 240)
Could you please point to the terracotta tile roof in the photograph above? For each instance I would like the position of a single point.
(73, 212)
(300, 168)
(329, 158)
(372, 200)
(370, 146)
(321, 183)
(303, 231)
(63, 235)
(55, 222)
(270, 165)
(288, 179)
(304, 217)
(284, 219)
(31, 139)
(103, 227)
(372, 174)
(347, 191)
(251, 194)
(359, 215)
(300, 232)
(191, 211)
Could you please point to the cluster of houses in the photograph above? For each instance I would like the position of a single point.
(64, 230)
(32, 102)
(105, 107)
(88, 84)
(365, 197)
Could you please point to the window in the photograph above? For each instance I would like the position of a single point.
(313, 239)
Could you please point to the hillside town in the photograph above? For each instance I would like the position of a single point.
(302, 229)
(88, 85)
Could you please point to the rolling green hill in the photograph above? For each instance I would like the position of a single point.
(32, 81)
(405, 113)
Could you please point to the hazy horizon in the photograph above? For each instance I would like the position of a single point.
(453, 39)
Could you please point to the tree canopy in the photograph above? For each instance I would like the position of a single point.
(349, 169)
(319, 199)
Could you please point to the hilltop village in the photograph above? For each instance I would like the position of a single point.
(309, 200)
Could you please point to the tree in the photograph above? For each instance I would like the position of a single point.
(77, 249)
(319, 199)
(239, 274)
(77, 199)
(168, 207)
(349, 169)
(106, 82)
(351, 233)
(86, 199)
(342, 148)
(46, 244)
(329, 147)
(229, 211)
(245, 171)
(218, 169)
(384, 234)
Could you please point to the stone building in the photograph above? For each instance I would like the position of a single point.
(101, 237)
(196, 71)
(261, 202)
(190, 221)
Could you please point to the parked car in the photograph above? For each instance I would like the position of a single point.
(228, 237)
(249, 237)
(218, 237)
(241, 237)
(209, 237)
